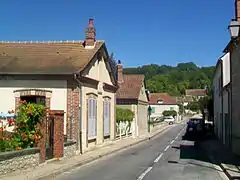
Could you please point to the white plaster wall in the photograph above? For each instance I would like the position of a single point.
(142, 94)
(226, 69)
(58, 88)
(100, 96)
(159, 108)
(99, 72)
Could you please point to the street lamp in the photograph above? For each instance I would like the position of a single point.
(149, 114)
(233, 28)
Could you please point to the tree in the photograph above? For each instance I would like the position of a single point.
(174, 80)
(194, 106)
(170, 113)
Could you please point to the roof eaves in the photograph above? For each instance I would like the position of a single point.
(90, 59)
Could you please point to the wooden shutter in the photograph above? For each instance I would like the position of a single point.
(89, 118)
(94, 119)
(106, 117)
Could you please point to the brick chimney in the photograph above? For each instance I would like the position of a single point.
(90, 34)
(119, 72)
(237, 10)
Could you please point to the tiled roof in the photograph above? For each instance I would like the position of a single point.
(62, 57)
(195, 92)
(131, 86)
(155, 97)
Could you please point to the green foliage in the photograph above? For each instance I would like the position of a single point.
(124, 115)
(180, 108)
(170, 113)
(194, 106)
(26, 133)
(174, 80)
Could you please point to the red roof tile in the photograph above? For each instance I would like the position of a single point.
(195, 92)
(155, 97)
(131, 86)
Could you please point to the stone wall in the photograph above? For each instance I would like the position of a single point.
(70, 149)
(17, 160)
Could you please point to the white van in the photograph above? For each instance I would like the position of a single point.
(169, 119)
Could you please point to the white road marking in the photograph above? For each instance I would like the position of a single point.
(144, 173)
(166, 148)
(172, 142)
(158, 158)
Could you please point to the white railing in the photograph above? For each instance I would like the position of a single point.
(124, 128)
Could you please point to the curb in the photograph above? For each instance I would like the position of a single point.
(84, 162)
(214, 160)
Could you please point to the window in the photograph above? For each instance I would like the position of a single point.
(92, 118)
(171, 108)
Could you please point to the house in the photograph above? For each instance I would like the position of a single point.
(226, 90)
(161, 102)
(132, 94)
(195, 94)
(74, 76)
(221, 97)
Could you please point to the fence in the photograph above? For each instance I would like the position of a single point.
(124, 128)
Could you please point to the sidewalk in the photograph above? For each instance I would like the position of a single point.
(220, 155)
(50, 169)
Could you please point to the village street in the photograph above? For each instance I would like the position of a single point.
(165, 157)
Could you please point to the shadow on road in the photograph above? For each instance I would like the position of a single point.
(204, 145)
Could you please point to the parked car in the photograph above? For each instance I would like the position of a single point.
(194, 126)
(169, 119)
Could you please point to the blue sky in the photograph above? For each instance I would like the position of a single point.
(137, 31)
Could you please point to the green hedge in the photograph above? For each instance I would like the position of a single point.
(124, 115)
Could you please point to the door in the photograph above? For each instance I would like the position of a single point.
(106, 118)
(92, 118)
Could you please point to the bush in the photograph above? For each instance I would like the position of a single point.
(26, 133)
(124, 115)
(170, 113)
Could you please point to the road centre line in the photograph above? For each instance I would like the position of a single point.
(158, 158)
(144, 173)
(166, 148)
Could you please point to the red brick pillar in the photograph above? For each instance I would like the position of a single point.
(42, 143)
(58, 137)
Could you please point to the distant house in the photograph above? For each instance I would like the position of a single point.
(195, 94)
(132, 94)
(74, 76)
(160, 102)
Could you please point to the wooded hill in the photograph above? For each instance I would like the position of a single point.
(174, 80)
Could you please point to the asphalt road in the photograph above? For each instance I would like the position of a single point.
(165, 157)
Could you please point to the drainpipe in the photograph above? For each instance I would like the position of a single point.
(80, 112)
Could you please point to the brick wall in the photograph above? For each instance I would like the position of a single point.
(42, 143)
(72, 111)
